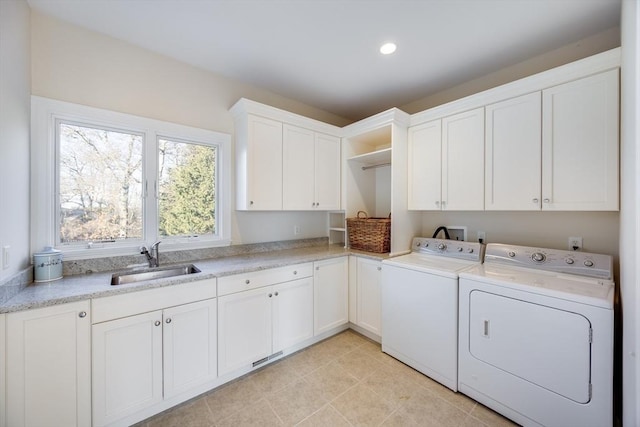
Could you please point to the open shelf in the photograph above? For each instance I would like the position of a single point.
(373, 158)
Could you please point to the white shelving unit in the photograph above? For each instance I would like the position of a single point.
(337, 228)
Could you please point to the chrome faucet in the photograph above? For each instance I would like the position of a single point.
(152, 254)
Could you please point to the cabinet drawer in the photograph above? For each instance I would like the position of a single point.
(256, 279)
(129, 304)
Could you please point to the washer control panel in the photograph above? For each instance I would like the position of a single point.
(470, 251)
(571, 262)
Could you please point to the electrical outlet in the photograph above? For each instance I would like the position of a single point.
(482, 238)
(575, 243)
(296, 229)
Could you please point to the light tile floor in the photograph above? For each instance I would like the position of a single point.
(345, 380)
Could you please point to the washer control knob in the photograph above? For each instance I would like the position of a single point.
(569, 261)
(511, 254)
(470, 250)
(442, 246)
(538, 257)
(460, 249)
(588, 263)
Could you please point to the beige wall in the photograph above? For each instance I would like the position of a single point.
(72, 64)
(597, 43)
(14, 133)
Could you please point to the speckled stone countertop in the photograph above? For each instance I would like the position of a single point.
(94, 285)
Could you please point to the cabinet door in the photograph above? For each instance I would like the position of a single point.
(49, 366)
(127, 366)
(425, 166)
(513, 154)
(463, 161)
(292, 313)
(189, 344)
(264, 164)
(298, 168)
(327, 172)
(368, 294)
(330, 294)
(580, 144)
(244, 329)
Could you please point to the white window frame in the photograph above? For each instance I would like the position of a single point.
(46, 113)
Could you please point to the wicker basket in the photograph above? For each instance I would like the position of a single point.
(369, 234)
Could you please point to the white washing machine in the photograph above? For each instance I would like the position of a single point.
(420, 305)
(536, 336)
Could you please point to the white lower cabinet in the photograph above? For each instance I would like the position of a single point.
(48, 366)
(140, 360)
(368, 308)
(257, 323)
(330, 294)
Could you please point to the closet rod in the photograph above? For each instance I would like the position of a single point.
(364, 168)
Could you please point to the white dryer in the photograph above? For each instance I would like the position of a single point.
(420, 305)
(536, 335)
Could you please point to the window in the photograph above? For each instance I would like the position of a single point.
(106, 183)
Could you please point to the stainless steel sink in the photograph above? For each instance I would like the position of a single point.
(152, 273)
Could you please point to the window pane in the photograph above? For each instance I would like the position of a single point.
(187, 205)
(100, 174)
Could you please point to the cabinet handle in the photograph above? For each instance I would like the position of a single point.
(247, 281)
(168, 320)
(535, 200)
(157, 323)
(270, 295)
(82, 314)
(546, 200)
(295, 272)
(276, 293)
(317, 268)
(437, 203)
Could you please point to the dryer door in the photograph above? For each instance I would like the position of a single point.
(545, 346)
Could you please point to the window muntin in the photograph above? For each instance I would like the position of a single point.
(100, 184)
(186, 189)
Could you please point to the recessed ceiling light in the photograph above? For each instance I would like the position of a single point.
(387, 48)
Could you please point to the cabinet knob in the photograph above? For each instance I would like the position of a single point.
(379, 268)
(295, 272)
(437, 203)
(168, 320)
(246, 282)
(157, 323)
(251, 202)
(82, 314)
(444, 204)
(546, 200)
(270, 295)
(317, 203)
(276, 293)
(534, 200)
(317, 268)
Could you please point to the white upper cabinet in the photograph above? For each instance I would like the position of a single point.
(446, 163)
(311, 170)
(327, 172)
(285, 161)
(580, 146)
(513, 154)
(463, 161)
(425, 166)
(259, 164)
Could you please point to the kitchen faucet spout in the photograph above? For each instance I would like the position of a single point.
(153, 254)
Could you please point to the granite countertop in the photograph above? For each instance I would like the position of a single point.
(94, 285)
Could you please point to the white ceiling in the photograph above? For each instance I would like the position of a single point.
(325, 52)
